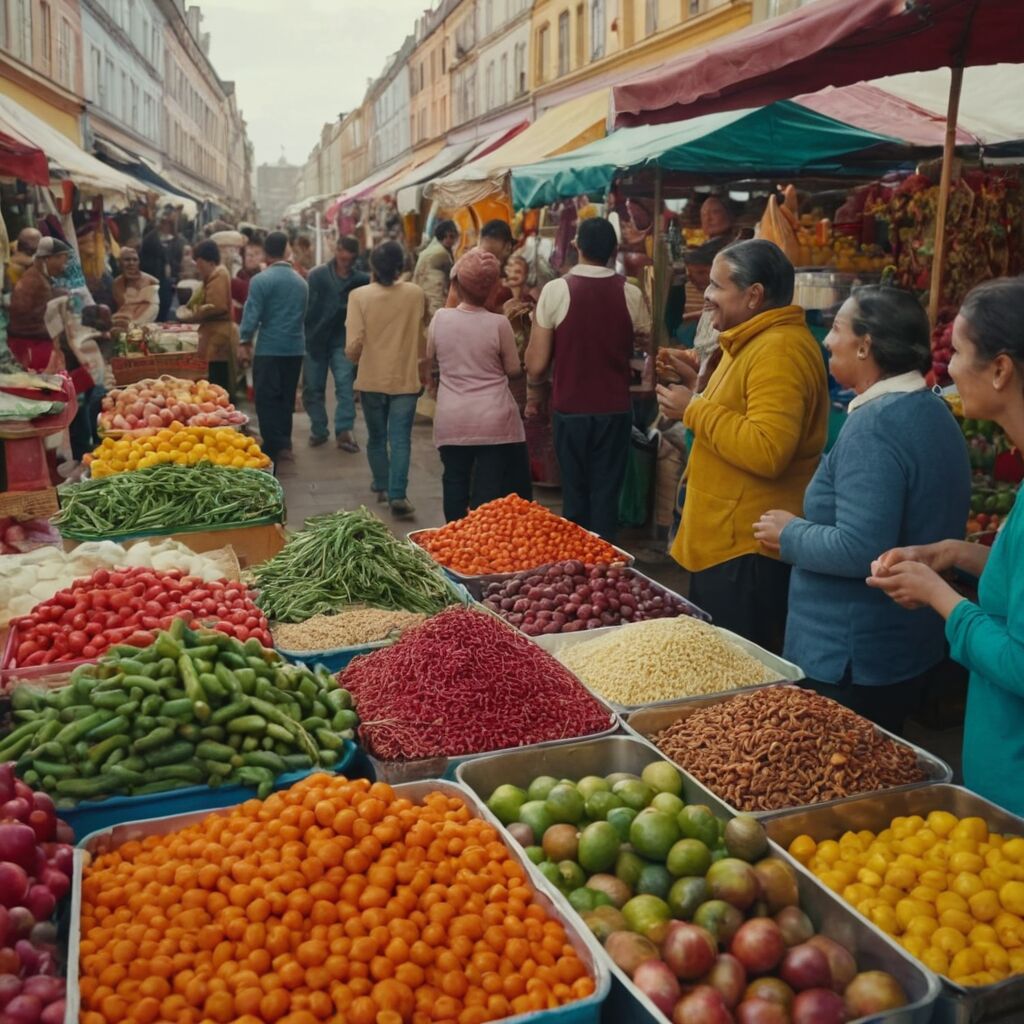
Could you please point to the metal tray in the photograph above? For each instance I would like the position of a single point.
(830, 915)
(956, 1004)
(644, 724)
(556, 643)
(585, 1011)
(625, 558)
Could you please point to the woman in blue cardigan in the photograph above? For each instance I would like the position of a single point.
(987, 637)
(898, 474)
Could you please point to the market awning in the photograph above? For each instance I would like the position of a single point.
(559, 130)
(782, 139)
(831, 42)
(299, 208)
(365, 187)
(20, 160)
(138, 167)
(389, 186)
(82, 168)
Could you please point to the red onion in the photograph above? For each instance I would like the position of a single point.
(10, 986)
(54, 1013)
(13, 884)
(24, 1010)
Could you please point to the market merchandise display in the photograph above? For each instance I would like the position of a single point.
(692, 908)
(127, 606)
(465, 683)
(18, 536)
(661, 659)
(181, 446)
(168, 498)
(510, 534)
(570, 596)
(36, 865)
(949, 891)
(166, 400)
(785, 747)
(356, 626)
(194, 707)
(347, 558)
(37, 575)
(345, 901)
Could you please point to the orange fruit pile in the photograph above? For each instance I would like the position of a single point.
(511, 534)
(334, 899)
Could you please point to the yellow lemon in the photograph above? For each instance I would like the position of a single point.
(922, 927)
(957, 919)
(962, 861)
(1011, 896)
(992, 879)
(867, 906)
(927, 838)
(900, 828)
(971, 828)
(937, 857)
(803, 848)
(935, 960)
(869, 877)
(949, 940)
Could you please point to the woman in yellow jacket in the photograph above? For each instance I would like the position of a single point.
(759, 428)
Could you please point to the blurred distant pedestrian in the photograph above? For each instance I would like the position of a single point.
(434, 266)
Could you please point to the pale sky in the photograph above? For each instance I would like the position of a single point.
(299, 63)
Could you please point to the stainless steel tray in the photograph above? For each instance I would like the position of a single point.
(585, 1011)
(788, 672)
(830, 915)
(624, 557)
(956, 1004)
(647, 722)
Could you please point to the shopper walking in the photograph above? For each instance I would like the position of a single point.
(759, 428)
(385, 339)
(276, 311)
(477, 427)
(988, 636)
(434, 266)
(584, 331)
(210, 308)
(329, 288)
(898, 474)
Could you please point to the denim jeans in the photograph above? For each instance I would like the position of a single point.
(314, 388)
(389, 426)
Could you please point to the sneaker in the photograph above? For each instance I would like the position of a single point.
(382, 496)
(402, 509)
(347, 443)
(315, 442)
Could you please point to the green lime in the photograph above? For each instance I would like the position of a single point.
(628, 867)
(535, 814)
(591, 784)
(541, 786)
(653, 834)
(534, 854)
(720, 918)
(582, 900)
(621, 818)
(697, 822)
(571, 874)
(564, 803)
(616, 777)
(647, 915)
(602, 899)
(663, 777)
(550, 871)
(688, 857)
(633, 793)
(719, 853)
(505, 803)
(598, 847)
(667, 803)
(655, 880)
(686, 895)
(600, 803)
(746, 838)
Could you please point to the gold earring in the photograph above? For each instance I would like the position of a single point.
(862, 353)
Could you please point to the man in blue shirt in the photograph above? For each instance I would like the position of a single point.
(329, 287)
(275, 311)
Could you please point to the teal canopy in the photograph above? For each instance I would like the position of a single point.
(783, 138)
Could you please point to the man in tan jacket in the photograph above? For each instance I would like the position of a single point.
(434, 266)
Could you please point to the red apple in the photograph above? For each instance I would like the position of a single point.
(840, 961)
(795, 924)
(704, 1005)
(658, 983)
(819, 1006)
(761, 1011)
(729, 977)
(771, 989)
(873, 992)
(688, 950)
(758, 945)
(805, 966)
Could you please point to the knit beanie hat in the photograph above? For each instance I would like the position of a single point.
(477, 272)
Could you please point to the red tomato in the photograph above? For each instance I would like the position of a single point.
(88, 651)
(77, 640)
(36, 658)
(102, 577)
(26, 648)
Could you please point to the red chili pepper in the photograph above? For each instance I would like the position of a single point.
(464, 683)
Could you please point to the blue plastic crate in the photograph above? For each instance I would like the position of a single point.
(95, 815)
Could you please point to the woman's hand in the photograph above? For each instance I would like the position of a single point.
(915, 585)
(939, 557)
(673, 400)
(768, 529)
(678, 366)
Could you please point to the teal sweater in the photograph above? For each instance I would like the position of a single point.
(988, 638)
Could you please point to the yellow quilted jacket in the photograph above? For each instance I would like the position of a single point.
(759, 429)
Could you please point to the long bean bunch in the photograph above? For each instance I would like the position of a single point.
(346, 558)
(166, 498)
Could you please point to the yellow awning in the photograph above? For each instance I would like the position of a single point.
(559, 130)
(387, 186)
(69, 125)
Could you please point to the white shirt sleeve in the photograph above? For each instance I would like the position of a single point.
(639, 312)
(553, 304)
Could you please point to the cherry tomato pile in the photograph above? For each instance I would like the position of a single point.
(127, 606)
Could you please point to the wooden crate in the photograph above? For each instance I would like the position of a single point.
(132, 369)
(29, 504)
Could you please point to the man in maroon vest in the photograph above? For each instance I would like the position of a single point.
(585, 328)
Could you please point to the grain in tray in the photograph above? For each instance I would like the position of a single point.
(346, 629)
(647, 662)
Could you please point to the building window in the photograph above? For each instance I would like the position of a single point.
(650, 17)
(563, 43)
(65, 54)
(503, 81)
(519, 69)
(45, 36)
(96, 90)
(124, 96)
(694, 6)
(581, 36)
(597, 27)
(489, 87)
(628, 24)
(135, 105)
(488, 17)
(543, 50)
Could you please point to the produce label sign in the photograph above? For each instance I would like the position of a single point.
(129, 369)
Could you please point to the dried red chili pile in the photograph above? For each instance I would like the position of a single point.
(464, 683)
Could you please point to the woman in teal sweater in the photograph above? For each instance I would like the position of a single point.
(988, 637)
